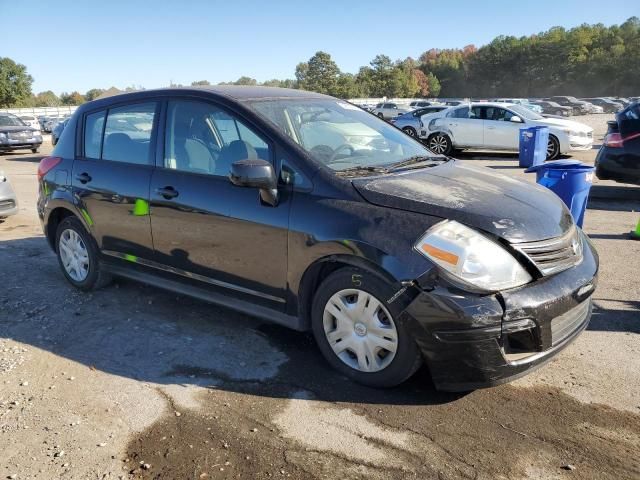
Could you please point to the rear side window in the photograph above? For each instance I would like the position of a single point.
(127, 133)
(93, 126)
(462, 112)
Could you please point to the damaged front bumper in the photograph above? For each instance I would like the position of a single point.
(473, 341)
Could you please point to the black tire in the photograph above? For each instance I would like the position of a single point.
(381, 115)
(34, 150)
(440, 144)
(407, 357)
(410, 131)
(559, 113)
(553, 148)
(96, 276)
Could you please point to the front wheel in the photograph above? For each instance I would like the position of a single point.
(440, 144)
(553, 148)
(381, 115)
(358, 332)
(78, 256)
(34, 150)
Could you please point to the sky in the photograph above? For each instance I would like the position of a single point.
(79, 45)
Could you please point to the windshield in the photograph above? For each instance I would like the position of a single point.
(10, 121)
(338, 134)
(524, 112)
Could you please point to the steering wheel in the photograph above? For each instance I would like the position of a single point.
(344, 146)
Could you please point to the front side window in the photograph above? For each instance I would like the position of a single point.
(127, 133)
(202, 138)
(338, 134)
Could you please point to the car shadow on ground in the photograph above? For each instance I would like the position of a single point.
(625, 317)
(21, 157)
(140, 332)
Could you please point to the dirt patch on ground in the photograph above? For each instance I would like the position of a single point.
(509, 433)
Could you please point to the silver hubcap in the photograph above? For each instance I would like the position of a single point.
(438, 144)
(74, 255)
(360, 330)
(551, 148)
(410, 132)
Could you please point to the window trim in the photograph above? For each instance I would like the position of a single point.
(84, 129)
(162, 133)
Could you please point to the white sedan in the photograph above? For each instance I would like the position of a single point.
(496, 126)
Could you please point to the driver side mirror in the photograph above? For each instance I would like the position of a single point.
(256, 174)
(516, 119)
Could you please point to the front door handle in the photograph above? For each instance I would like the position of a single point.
(167, 192)
(83, 177)
(491, 128)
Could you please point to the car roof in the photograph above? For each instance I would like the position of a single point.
(233, 92)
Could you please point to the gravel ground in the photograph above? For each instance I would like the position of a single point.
(133, 382)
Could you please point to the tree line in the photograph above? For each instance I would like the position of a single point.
(589, 60)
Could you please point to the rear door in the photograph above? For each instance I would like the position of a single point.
(467, 129)
(499, 131)
(111, 178)
(204, 227)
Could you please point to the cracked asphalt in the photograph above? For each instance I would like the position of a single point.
(134, 382)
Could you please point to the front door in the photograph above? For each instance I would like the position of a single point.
(111, 177)
(204, 227)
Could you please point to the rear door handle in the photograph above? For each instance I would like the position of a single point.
(167, 192)
(83, 177)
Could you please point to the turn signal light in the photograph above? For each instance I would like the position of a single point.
(46, 164)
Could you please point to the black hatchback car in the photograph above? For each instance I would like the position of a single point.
(619, 157)
(309, 212)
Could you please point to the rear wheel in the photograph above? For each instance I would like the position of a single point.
(34, 150)
(78, 256)
(553, 148)
(410, 131)
(358, 332)
(440, 144)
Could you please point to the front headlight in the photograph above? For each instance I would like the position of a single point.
(471, 257)
(571, 133)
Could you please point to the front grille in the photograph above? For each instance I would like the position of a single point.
(555, 254)
(19, 135)
(567, 323)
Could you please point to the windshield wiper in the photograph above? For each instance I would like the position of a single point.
(416, 159)
(363, 168)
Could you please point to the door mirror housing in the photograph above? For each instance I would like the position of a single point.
(516, 119)
(256, 174)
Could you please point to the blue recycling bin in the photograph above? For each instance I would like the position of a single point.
(533, 146)
(569, 179)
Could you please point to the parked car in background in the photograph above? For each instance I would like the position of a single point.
(553, 108)
(411, 122)
(52, 121)
(607, 105)
(593, 108)
(389, 110)
(453, 103)
(306, 211)
(496, 126)
(579, 107)
(619, 157)
(421, 103)
(8, 199)
(30, 120)
(520, 101)
(57, 131)
(15, 135)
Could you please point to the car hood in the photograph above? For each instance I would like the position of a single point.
(514, 210)
(562, 123)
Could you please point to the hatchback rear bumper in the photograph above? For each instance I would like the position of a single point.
(482, 341)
